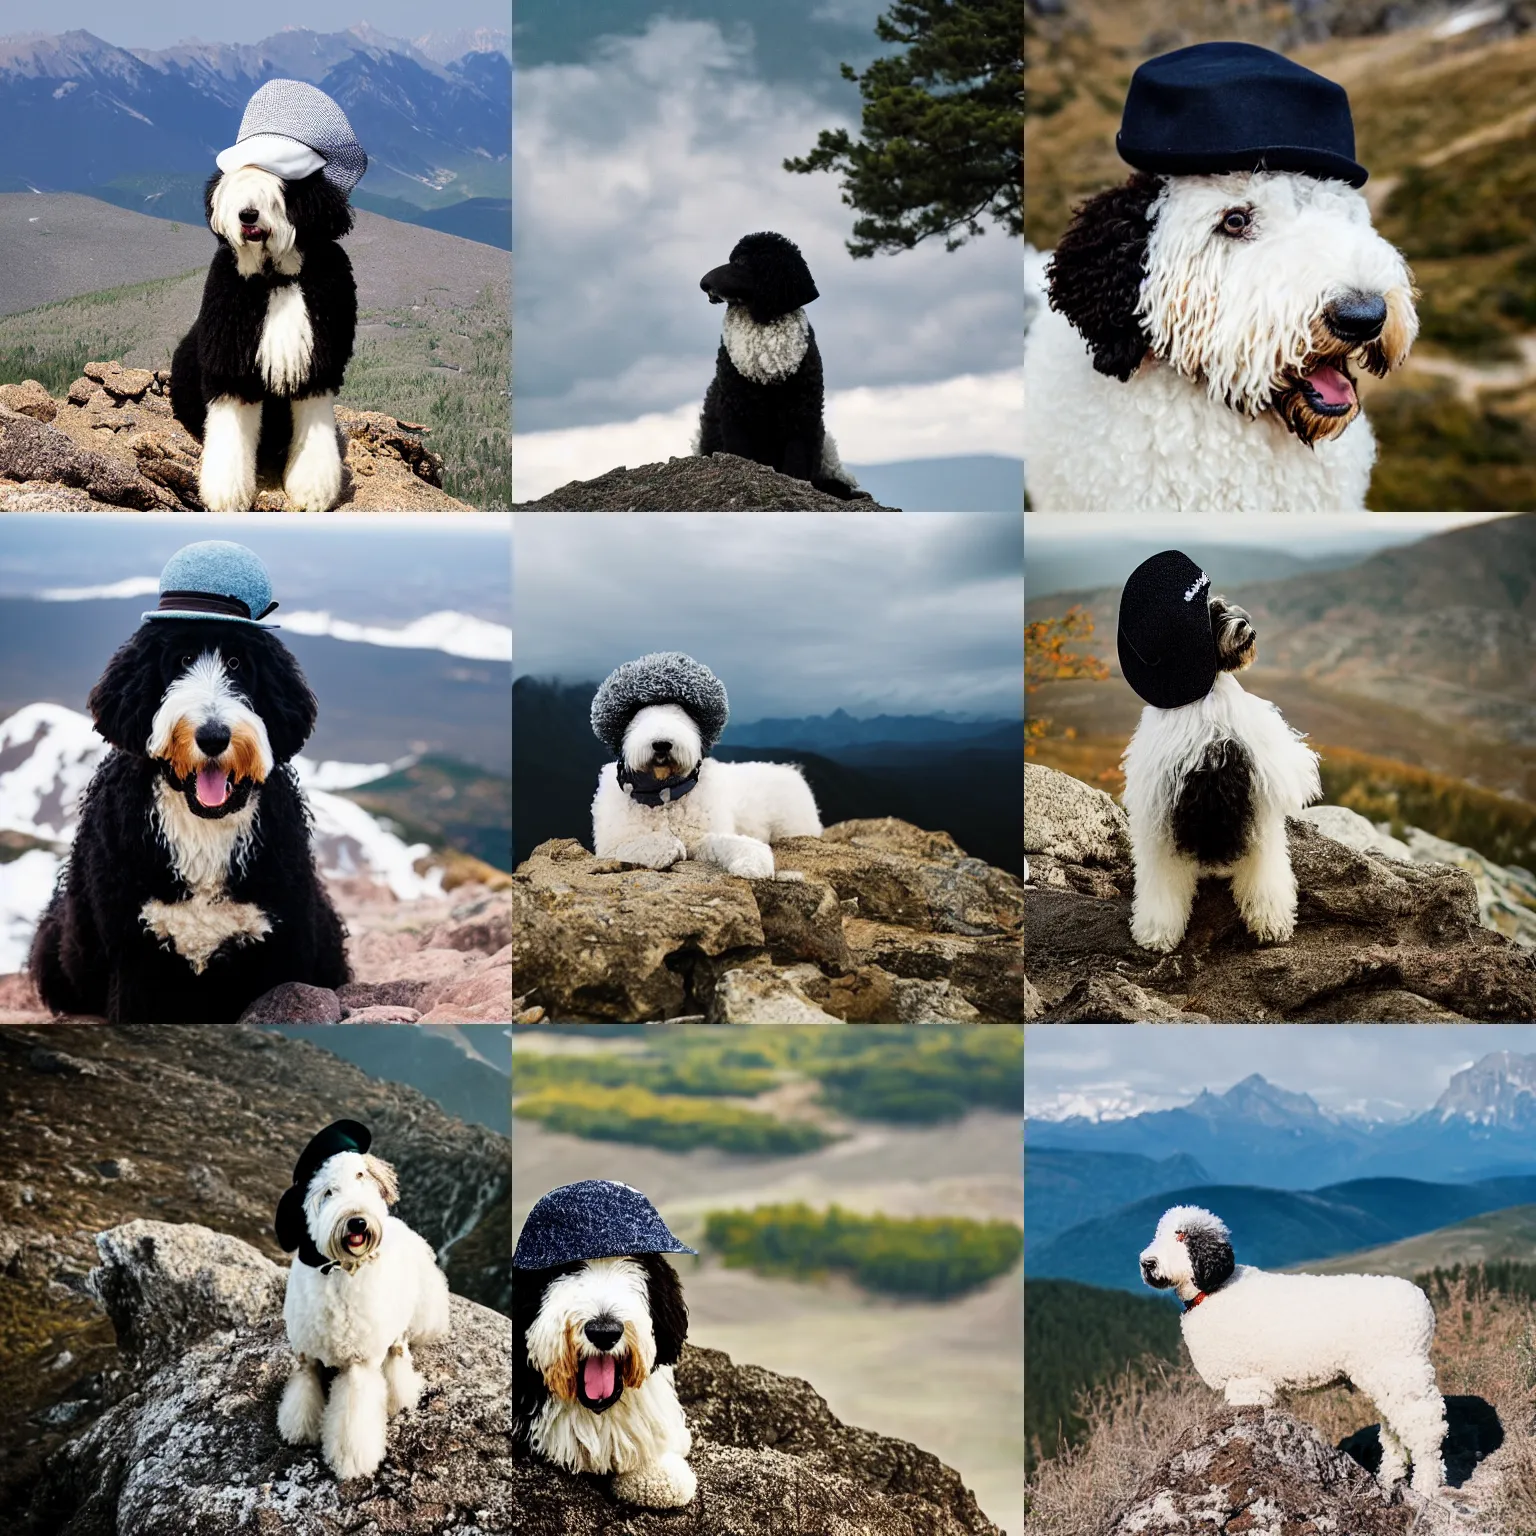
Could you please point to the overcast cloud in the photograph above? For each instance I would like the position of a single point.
(638, 170)
(799, 614)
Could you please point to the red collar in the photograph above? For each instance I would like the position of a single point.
(1189, 1306)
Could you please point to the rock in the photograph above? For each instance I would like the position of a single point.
(1377, 939)
(771, 1460)
(382, 1013)
(1354, 831)
(119, 382)
(481, 926)
(483, 998)
(294, 1002)
(889, 923)
(29, 398)
(1072, 821)
(722, 482)
(400, 993)
(31, 450)
(1262, 1471)
(762, 996)
(166, 1287)
(1506, 894)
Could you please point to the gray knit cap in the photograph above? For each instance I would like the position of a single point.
(592, 1219)
(288, 124)
(664, 677)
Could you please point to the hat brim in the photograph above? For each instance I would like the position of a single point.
(274, 152)
(1322, 164)
(216, 618)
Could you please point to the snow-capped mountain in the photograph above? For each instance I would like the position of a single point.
(1498, 1091)
(47, 756)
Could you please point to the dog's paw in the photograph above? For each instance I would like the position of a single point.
(791, 876)
(666, 1483)
(1160, 937)
(751, 863)
(225, 483)
(653, 850)
(312, 482)
(404, 1382)
(301, 1409)
(1268, 923)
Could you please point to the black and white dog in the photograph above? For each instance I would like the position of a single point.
(765, 400)
(191, 888)
(256, 378)
(595, 1336)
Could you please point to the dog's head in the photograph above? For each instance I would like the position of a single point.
(342, 1209)
(1237, 643)
(594, 1327)
(217, 705)
(1191, 1252)
(662, 740)
(766, 274)
(268, 222)
(1265, 287)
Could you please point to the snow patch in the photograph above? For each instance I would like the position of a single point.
(457, 634)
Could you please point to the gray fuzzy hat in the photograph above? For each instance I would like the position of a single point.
(664, 677)
(293, 129)
(593, 1219)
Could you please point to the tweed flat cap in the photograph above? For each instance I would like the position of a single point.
(215, 579)
(1236, 107)
(1166, 644)
(293, 129)
(664, 677)
(593, 1219)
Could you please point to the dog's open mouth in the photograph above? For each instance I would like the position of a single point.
(1318, 400)
(253, 234)
(1329, 389)
(355, 1242)
(599, 1382)
(212, 786)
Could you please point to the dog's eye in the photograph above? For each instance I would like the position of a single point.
(1235, 221)
(186, 660)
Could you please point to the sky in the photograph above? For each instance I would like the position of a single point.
(798, 613)
(1385, 1071)
(172, 21)
(636, 170)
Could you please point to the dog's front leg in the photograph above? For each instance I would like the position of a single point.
(355, 1427)
(313, 477)
(666, 1483)
(736, 855)
(226, 478)
(1165, 893)
(655, 850)
(1264, 886)
(402, 1378)
(303, 1404)
(1250, 1392)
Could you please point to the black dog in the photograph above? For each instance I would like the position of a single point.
(191, 888)
(256, 377)
(765, 401)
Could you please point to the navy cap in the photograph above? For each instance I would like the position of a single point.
(1236, 107)
(592, 1219)
(214, 579)
(1166, 644)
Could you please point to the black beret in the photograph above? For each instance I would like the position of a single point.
(338, 1136)
(593, 1219)
(664, 677)
(1166, 643)
(1236, 107)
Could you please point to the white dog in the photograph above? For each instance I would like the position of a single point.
(1196, 355)
(1208, 787)
(363, 1287)
(1252, 1333)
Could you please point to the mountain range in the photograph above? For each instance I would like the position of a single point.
(140, 127)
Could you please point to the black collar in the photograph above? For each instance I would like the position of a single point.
(653, 792)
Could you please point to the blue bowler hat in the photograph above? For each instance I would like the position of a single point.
(1236, 107)
(214, 579)
(594, 1219)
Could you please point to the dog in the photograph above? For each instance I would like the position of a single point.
(191, 887)
(594, 1342)
(664, 799)
(1208, 786)
(1252, 1333)
(363, 1288)
(256, 378)
(765, 400)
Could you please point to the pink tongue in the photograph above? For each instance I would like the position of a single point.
(1332, 386)
(597, 1377)
(212, 787)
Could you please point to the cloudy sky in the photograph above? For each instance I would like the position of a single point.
(799, 613)
(1386, 1071)
(637, 168)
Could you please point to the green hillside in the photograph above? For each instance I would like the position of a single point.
(1076, 1337)
(1500, 1236)
(1063, 1187)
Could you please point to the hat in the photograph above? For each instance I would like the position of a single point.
(294, 129)
(1166, 643)
(593, 1219)
(664, 677)
(1236, 107)
(338, 1136)
(214, 579)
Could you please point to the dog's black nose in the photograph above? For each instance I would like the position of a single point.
(1148, 1265)
(1357, 317)
(356, 1225)
(248, 215)
(603, 1332)
(212, 738)
(660, 748)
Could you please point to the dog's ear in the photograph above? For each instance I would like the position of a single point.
(781, 281)
(1094, 277)
(383, 1175)
(289, 1224)
(317, 210)
(1211, 1260)
(669, 1312)
(284, 699)
(209, 188)
(126, 696)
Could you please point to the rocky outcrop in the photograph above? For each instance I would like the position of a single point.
(192, 1449)
(1377, 939)
(112, 442)
(879, 922)
(720, 482)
